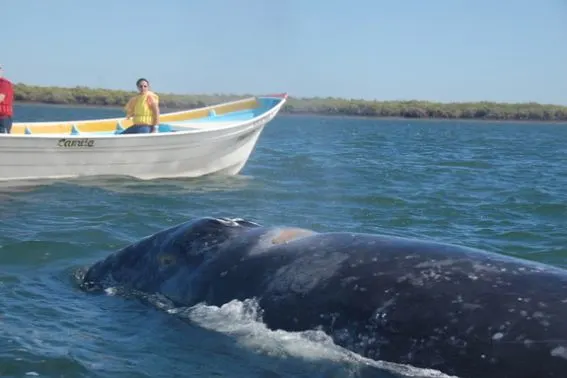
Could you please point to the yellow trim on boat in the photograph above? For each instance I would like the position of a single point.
(109, 125)
(234, 107)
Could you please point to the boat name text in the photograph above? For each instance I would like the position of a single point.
(75, 142)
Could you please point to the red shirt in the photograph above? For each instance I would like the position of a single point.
(6, 106)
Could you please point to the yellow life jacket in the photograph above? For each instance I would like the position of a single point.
(141, 111)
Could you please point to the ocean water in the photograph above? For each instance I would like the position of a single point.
(496, 186)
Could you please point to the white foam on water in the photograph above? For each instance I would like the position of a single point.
(111, 291)
(242, 320)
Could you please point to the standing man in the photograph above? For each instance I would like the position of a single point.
(6, 104)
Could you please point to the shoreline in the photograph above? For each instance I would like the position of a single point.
(482, 111)
(40, 103)
(424, 119)
(319, 114)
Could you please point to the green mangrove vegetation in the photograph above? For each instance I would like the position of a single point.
(328, 106)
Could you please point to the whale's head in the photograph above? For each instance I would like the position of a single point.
(168, 261)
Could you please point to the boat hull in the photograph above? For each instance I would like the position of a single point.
(197, 148)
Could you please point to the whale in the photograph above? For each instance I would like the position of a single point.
(462, 311)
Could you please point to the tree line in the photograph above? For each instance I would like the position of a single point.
(330, 106)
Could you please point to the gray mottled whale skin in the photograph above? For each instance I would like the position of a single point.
(462, 311)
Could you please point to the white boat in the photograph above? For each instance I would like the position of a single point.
(215, 139)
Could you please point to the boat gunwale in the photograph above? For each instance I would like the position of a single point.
(237, 123)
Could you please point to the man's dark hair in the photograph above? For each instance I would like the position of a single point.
(140, 80)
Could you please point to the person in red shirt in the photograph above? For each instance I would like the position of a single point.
(6, 104)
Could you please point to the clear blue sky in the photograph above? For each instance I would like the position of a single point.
(439, 50)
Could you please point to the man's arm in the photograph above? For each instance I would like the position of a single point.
(154, 106)
(5, 87)
(129, 108)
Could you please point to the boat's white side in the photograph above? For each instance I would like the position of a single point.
(194, 149)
